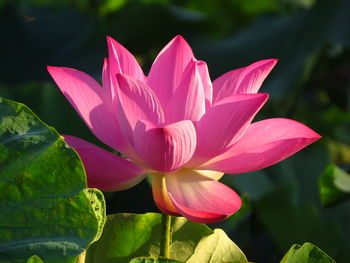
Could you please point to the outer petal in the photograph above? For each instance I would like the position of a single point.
(188, 101)
(106, 171)
(200, 198)
(136, 102)
(165, 149)
(89, 100)
(242, 80)
(167, 69)
(122, 61)
(264, 143)
(224, 124)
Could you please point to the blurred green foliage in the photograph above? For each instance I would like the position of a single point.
(311, 84)
(334, 185)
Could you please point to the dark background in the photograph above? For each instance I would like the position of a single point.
(311, 84)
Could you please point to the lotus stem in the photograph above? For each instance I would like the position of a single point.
(165, 236)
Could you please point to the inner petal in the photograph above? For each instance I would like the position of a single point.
(165, 149)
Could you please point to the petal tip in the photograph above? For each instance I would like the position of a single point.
(200, 62)
(263, 96)
(316, 136)
(179, 40)
(273, 62)
(113, 44)
(109, 39)
(51, 68)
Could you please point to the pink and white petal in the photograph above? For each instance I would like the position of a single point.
(136, 102)
(168, 67)
(224, 124)
(200, 198)
(106, 171)
(214, 175)
(161, 196)
(165, 149)
(188, 101)
(243, 80)
(206, 83)
(91, 103)
(265, 143)
(122, 61)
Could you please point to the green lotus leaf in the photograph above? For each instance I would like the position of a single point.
(46, 209)
(128, 236)
(305, 254)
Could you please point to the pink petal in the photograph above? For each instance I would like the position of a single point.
(165, 149)
(167, 69)
(105, 171)
(136, 102)
(91, 103)
(188, 101)
(160, 194)
(264, 144)
(243, 80)
(107, 82)
(122, 61)
(206, 83)
(224, 124)
(200, 198)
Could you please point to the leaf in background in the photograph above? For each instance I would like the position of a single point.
(127, 236)
(153, 260)
(288, 222)
(45, 207)
(334, 185)
(340, 152)
(252, 7)
(34, 259)
(256, 183)
(64, 46)
(110, 6)
(305, 254)
(308, 32)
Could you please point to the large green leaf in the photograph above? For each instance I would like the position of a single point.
(334, 185)
(127, 236)
(305, 254)
(45, 206)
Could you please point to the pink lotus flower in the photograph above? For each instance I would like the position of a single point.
(178, 126)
